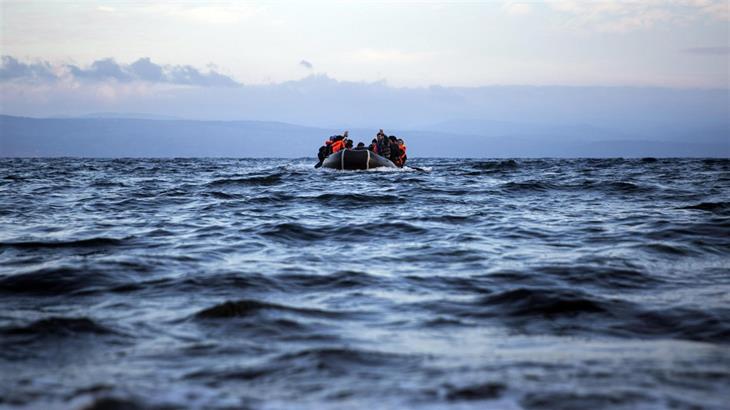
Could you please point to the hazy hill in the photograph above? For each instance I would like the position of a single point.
(129, 137)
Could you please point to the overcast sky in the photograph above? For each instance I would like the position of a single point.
(668, 43)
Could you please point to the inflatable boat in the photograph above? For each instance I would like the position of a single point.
(356, 159)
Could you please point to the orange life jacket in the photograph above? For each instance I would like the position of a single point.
(402, 157)
(338, 146)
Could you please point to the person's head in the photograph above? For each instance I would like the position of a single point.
(360, 145)
(345, 134)
(379, 137)
(392, 138)
(348, 144)
(400, 141)
(374, 141)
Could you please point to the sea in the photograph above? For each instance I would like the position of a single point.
(449, 284)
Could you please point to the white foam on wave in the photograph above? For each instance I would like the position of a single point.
(380, 169)
(404, 169)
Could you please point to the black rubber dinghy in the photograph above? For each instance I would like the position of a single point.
(356, 159)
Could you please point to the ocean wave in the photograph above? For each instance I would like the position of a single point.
(58, 326)
(95, 242)
(119, 403)
(223, 282)
(700, 235)
(295, 232)
(496, 166)
(617, 187)
(629, 398)
(250, 307)
(274, 198)
(449, 218)
(685, 323)
(344, 359)
(668, 248)
(603, 276)
(340, 199)
(59, 281)
(484, 391)
(448, 284)
(527, 186)
(265, 180)
(307, 363)
(547, 302)
(609, 187)
(333, 282)
(722, 208)
(101, 183)
(223, 195)
(440, 255)
(555, 310)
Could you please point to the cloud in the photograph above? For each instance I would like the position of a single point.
(517, 8)
(146, 70)
(211, 14)
(631, 15)
(108, 69)
(100, 70)
(370, 55)
(306, 64)
(11, 69)
(189, 75)
(708, 51)
(718, 9)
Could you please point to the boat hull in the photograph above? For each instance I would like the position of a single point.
(356, 160)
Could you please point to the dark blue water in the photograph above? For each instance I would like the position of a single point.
(209, 283)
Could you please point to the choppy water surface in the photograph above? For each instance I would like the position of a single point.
(267, 284)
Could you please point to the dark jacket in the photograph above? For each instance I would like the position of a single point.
(395, 153)
(384, 148)
(324, 151)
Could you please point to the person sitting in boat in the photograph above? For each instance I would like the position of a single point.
(373, 147)
(360, 146)
(394, 149)
(326, 149)
(383, 145)
(332, 144)
(348, 145)
(403, 157)
(323, 152)
(339, 143)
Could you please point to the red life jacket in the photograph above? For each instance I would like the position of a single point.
(401, 160)
(338, 146)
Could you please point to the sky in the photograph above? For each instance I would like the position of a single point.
(665, 43)
(637, 68)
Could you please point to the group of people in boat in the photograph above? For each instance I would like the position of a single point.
(389, 147)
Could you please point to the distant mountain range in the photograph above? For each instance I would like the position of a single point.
(127, 135)
(124, 115)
